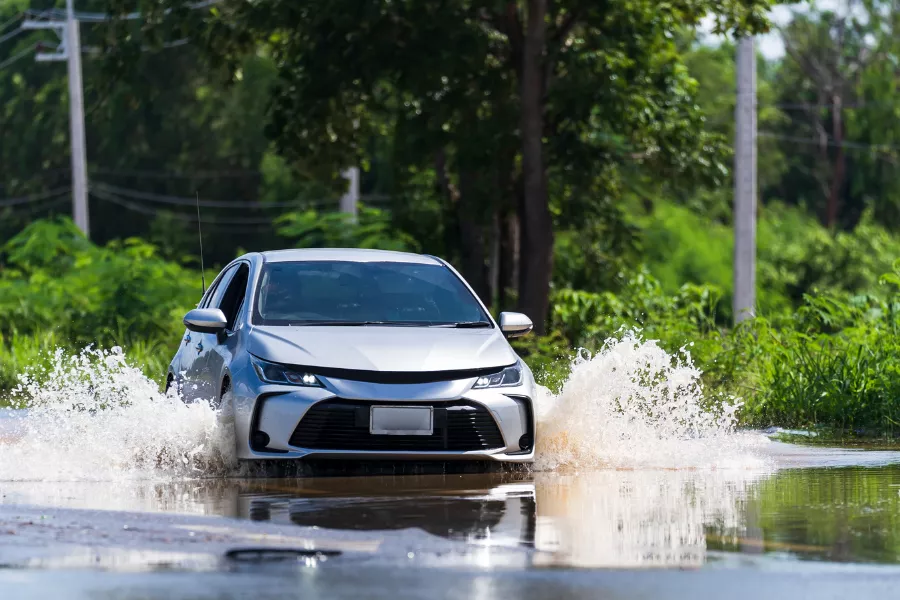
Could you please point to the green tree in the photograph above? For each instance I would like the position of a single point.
(837, 81)
(167, 127)
(506, 102)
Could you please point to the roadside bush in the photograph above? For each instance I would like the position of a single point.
(796, 255)
(58, 289)
(53, 279)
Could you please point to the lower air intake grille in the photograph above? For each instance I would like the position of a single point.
(344, 425)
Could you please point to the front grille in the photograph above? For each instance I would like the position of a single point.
(344, 425)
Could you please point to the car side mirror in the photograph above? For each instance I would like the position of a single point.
(206, 320)
(514, 324)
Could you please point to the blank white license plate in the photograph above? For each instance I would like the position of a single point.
(401, 420)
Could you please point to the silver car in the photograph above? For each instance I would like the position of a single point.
(357, 354)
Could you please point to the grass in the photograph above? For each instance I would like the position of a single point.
(21, 353)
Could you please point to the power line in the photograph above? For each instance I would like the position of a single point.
(19, 56)
(247, 173)
(100, 194)
(11, 21)
(11, 34)
(183, 201)
(816, 105)
(237, 225)
(828, 142)
(163, 46)
(31, 209)
(33, 197)
(98, 17)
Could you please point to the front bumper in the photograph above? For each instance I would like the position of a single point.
(277, 410)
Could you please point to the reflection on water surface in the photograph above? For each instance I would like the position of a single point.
(607, 518)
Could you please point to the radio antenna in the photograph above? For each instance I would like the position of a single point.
(200, 233)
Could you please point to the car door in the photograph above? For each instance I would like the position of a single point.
(195, 383)
(221, 346)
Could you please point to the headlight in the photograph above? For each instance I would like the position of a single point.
(507, 377)
(272, 373)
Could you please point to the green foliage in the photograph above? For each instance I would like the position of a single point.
(549, 357)
(796, 255)
(373, 229)
(832, 362)
(19, 353)
(56, 288)
(54, 279)
(835, 362)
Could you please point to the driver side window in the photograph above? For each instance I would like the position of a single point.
(218, 288)
(232, 299)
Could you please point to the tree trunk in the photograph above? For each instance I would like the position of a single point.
(508, 277)
(536, 266)
(838, 172)
(473, 250)
(494, 238)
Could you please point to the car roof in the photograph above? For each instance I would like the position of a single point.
(347, 255)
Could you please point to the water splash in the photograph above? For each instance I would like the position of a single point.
(632, 404)
(92, 416)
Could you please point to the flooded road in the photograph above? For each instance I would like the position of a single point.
(810, 521)
(822, 523)
(109, 489)
(817, 504)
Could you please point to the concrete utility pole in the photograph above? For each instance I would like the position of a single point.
(350, 200)
(76, 123)
(70, 51)
(744, 301)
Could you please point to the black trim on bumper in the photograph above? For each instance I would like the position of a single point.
(338, 424)
(407, 377)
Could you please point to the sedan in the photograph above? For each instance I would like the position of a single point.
(357, 354)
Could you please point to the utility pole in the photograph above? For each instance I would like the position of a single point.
(744, 300)
(350, 199)
(76, 123)
(70, 51)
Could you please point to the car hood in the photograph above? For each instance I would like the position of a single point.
(388, 349)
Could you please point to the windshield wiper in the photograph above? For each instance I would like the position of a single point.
(466, 324)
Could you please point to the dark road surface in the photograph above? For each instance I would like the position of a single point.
(806, 523)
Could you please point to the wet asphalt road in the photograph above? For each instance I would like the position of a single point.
(64, 553)
(820, 524)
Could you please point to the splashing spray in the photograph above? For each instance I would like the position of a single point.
(93, 416)
(632, 404)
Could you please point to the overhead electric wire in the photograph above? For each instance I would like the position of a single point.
(236, 226)
(98, 17)
(33, 197)
(183, 201)
(6, 24)
(106, 196)
(163, 46)
(247, 173)
(11, 34)
(824, 105)
(18, 56)
(829, 142)
(31, 209)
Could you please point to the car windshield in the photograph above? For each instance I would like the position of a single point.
(364, 293)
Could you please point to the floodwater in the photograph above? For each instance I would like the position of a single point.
(109, 489)
(817, 522)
